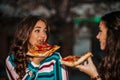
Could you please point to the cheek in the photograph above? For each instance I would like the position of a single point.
(32, 39)
(103, 43)
(45, 37)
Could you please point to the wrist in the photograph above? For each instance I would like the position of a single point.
(96, 78)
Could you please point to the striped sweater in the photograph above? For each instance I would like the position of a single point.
(49, 69)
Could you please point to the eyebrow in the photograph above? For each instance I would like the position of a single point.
(37, 26)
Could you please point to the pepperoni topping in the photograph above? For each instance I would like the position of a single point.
(43, 47)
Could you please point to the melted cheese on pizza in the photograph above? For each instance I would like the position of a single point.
(71, 58)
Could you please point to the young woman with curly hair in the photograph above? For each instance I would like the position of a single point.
(109, 38)
(19, 66)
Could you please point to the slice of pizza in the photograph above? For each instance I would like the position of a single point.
(72, 61)
(42, 50)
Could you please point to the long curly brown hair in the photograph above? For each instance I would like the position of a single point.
(20, 43)
(110, 66)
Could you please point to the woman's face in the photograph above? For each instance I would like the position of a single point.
(102, 35)
(38, 34)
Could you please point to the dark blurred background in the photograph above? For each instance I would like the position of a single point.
(74, 26)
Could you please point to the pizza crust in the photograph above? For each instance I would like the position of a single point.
(73, 63)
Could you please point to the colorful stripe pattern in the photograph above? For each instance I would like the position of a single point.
(49, 69)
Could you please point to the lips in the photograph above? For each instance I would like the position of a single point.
(41, 42)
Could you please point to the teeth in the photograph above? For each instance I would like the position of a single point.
(41, 42)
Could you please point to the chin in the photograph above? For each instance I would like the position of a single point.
(102, 47)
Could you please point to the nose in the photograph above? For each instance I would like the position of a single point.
(42, 36)
(97, 36)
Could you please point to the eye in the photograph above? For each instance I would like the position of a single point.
(37, 30)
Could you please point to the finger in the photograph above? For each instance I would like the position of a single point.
(90, 60)
(67, 63)
(81, 67)
(85, 62)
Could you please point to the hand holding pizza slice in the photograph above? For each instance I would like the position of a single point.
(42, 50)
(72, 61)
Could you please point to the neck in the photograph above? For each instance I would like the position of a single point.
(37, 60)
